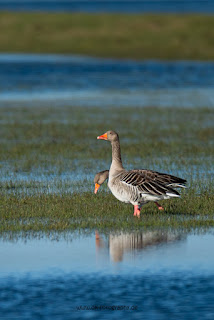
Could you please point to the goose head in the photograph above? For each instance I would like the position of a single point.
(99, 178)
(109, 135)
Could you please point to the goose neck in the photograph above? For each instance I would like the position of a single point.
(116, 155)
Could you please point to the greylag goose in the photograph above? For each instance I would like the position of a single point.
(138, 187)
(99, 179)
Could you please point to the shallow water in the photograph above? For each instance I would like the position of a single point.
(156, 251)
(152, 273)
(53, 180)
(83, 81)
(181, 6)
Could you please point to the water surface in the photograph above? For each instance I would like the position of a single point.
(126, 6)
(156, 251)
(156, 274)
(83, 81)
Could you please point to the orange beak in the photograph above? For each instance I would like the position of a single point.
(96, 187)
(103, 137)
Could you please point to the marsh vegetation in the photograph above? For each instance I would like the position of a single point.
(50, 155)
(136, 36)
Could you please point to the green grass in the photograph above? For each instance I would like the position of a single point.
(136, 36)
(49, 157)
(103, 212)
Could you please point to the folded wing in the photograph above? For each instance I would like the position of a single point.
(150, 182)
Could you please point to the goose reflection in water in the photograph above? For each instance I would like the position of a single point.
(126, 242)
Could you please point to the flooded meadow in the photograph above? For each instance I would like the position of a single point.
(68, 252)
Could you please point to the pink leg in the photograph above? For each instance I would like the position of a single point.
(136, 211)
(159, 206)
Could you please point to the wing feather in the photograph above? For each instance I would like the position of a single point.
(163, 178)
(147, 182)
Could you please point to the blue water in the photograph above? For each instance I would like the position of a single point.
(151, 274)
(168, 296)
(84, 81)
(134, 6)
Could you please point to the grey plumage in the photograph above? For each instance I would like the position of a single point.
(147, 179)
(152, 182)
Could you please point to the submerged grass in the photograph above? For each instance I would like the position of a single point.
(49, 157)
(137, 36)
